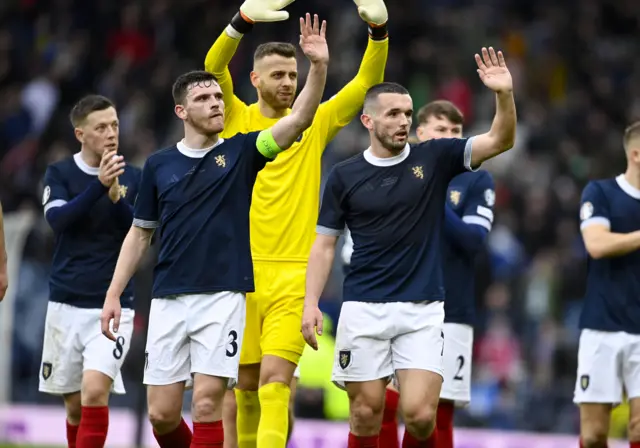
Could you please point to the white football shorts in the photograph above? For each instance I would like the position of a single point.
(374, 340)
(196, 333)
(74, 343)
(608, 364)
(458, 352)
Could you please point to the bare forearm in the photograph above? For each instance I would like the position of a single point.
(318, 270)
(504, 123)
(133, 249)
(610, 244)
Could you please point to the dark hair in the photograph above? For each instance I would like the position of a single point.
(439, 109)
(283, 49)
(631, 133)
(383, 87)
(86, 106)
(185, 81)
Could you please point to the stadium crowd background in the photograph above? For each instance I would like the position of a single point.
(577, 84)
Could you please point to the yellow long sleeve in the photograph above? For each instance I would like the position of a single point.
(343, 107)
(217, 63)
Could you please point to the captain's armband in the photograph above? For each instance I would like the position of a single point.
(267, 145)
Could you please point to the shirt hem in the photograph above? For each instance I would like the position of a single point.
(393, 300)
(171, 293)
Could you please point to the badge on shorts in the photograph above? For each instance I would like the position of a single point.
(46, 370)
(584, 382)
(344, 358)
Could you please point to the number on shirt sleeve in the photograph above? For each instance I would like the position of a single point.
(145, 211)
(594, 207)
(478, 206)
(331, 220)
(55, 193)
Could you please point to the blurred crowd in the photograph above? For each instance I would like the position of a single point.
(577, 85)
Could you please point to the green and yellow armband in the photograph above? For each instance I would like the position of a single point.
(267, 145)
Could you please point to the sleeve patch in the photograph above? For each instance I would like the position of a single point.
(586, 211)
(46, 195)
(490, 197)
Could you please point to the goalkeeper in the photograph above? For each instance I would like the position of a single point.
(284, 208)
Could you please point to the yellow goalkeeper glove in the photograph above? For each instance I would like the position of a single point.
(374, 12)
(252, 11)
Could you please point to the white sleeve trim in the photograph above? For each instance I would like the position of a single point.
(146, 224)
(595, 220)
(53, 204)
(485, 212)
(477, 220)
(468, 148)
(233, 33)
(322, 230)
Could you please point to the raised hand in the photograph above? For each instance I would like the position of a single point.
(493, 71)
(312, 39)
(111, 166)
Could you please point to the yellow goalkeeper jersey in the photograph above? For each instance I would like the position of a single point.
(286, 196)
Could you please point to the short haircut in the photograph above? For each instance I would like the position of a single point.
(284, 49)
(384, 87)
(440, 109)
(630, 134)
(86, 106)
(185, 81)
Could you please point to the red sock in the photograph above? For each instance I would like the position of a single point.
(362, 441)
(388, 437)
(634, 444)
(207, 435)
(178, 438)
(72, 434)
(408, 441)
(94, 424)
(444, 423)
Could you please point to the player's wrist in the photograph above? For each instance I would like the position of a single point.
(378, 32)
(240, 24)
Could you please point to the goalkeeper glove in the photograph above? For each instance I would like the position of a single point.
(252, 11)
(374, 12)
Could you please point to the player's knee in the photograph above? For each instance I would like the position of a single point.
(164, 419)
(420, 419)
(95, 394)
(634, 428)
(73, 407)
(208, 397)
(366, 416)
(594, 440)
(206, 409)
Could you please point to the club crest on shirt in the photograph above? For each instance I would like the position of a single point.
(586, 211)
(122, 191)
(418, 172)
(344, 358)
(584, 382)
(46, 370)
(220, 161)
(454, 197)
(489, 197)
(46, 194)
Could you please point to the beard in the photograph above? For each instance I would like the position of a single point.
(205, 126)
(388, 143)
(272, 99)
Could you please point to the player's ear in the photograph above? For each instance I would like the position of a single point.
(367, 121)
(255, 79)
(79, 133)
(180, 111)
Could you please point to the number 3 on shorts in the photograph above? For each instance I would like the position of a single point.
(233, 338)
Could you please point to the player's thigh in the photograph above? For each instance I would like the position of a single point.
(164, 403)
(103, 358)
(363, 343)
(167, 351)
(457, 360)
(61, 367)
(594, 422)
(208, 397)
(366, 403)
(251, 352)
(599, 376)
(281, 335)
(419, 394)
(216, 327)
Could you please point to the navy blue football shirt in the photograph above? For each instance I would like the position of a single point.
(394, 210)
(199, 201)
(470, 197)
(89, 230)
(612, 301)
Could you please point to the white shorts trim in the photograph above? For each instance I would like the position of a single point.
(608, 364)
(374, 340)
(74, 343)
(458, 352)
(198, 333)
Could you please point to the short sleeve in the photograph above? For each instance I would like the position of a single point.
(249, 142)
(145, 210)
(55, 192)
(594, 207)
(331, 221)
(454, 155)
(478, 205)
